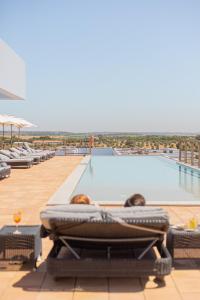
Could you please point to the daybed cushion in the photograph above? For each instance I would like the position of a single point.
(97, 222)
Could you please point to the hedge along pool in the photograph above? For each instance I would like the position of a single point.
(112, 179)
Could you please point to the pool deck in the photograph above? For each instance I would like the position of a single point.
(29, 191)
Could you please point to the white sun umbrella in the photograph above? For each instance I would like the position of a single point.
(7, 120)
(13, 121)
(20, 123)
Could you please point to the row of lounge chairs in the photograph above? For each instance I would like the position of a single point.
(20, 157)
(90, 241)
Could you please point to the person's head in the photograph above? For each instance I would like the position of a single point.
(135, 200)
(80, 199)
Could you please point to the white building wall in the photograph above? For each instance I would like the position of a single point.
(12, 74)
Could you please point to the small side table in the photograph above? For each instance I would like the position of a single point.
(23, 247)
(183, 244)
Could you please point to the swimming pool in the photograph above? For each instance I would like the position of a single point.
(111, 179)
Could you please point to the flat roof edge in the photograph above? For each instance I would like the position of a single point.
(9, 96)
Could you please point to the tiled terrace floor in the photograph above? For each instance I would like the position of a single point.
(29, 190)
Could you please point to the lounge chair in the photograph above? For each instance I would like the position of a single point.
(47, 153)
(25, 148)
(4, 170)
(98, 242)
(23, 154)
(22, 162)
(11, 154)
(23, 151)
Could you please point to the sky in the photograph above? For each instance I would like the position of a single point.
(106, 65)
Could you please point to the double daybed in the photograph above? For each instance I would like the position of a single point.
(90, 241)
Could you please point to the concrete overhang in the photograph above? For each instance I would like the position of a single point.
(12, 74)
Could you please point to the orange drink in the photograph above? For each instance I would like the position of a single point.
(17, 218)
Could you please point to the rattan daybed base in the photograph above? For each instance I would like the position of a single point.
(115, 263)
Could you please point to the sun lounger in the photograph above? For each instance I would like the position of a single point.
(4, 170)
(13, 155)
(47, 153)
(44, 154)
(98, 242)
(23, 151)
(22, 154)
(22, 162)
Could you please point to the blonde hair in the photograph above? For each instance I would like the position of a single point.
(80, 199)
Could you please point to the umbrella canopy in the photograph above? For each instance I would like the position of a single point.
(17, 122)
(6, 120)
(24, 124)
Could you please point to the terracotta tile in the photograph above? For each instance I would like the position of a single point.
(91, 289)
(19, 294)
(164, 296)
(62, 284)
(190, 296)
(28, 281)
(188, 284)
(5, 283)
(165, 291)
(126, 296)
(152, 284)
(6, 274)
(125, 288)
(91, 296)
(179, 274)
(52, 295)
(127, 284)
(91, 285)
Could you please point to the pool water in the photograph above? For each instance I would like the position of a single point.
(112, 179)
(82, 151)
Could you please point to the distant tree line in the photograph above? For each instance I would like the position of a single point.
(121, 141)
